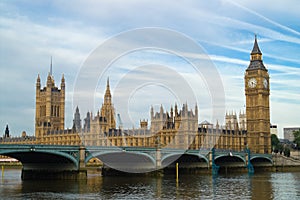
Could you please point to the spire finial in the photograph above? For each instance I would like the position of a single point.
(151, 111)
(255, 49)
(107, 86)
(107, 96)
(50, 66)
(6, 131)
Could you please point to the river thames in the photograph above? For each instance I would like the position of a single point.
(259, 186)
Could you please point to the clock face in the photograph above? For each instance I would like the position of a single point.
(265, 82)
(252, 83)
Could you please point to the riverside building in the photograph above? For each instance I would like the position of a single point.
(177, 128)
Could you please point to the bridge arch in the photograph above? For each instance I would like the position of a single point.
(261, 160)
(29, 156)
(134, 162)
(230, 160)
(199, 155)
(172, 157)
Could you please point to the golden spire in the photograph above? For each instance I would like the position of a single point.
(107, 96)
(50, 68)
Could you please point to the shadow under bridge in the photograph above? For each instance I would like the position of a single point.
(185, 159)
(125, 159)
(43, 156)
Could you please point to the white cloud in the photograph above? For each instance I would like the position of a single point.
(71, 31)
(250, 7)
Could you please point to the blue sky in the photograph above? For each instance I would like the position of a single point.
(69, 31)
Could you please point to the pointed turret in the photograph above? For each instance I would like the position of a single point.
(183, 110)
(62, 84)
(152, 112)
(6, 134)
(256, 49)
(77, 121)
(161, 112)
(161, 109)
(107, 96)
(87, 122)
(171, 113)
(38, 82)
(50, 78)
(107, 87)
(49, 81)
(107, 109)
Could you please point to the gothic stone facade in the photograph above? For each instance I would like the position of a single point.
(175, 129)
(257, 90)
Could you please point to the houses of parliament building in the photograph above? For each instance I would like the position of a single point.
(177, 128)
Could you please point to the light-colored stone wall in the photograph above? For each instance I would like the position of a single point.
(288, 133)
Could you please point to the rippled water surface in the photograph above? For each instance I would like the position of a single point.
(235, 186)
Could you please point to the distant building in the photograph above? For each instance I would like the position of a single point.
(87, 122)
(288, 133)
(232, 122)
(243, 120)
(77, 121)
(205, 124)
(6, 134)
(273, 129)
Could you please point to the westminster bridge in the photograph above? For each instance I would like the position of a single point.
(69, 162)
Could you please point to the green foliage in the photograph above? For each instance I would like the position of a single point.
(276, 146)
(274, 140)
(287, 152)
(297, 138)
(279, 148)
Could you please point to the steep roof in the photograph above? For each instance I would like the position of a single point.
(256, 61)
(256, 49)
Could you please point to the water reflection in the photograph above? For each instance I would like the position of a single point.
(261, 187)
(234, 186)
(285, 185)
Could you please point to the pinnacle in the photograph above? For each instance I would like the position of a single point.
(255, 49)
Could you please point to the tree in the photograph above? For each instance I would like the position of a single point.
(279, 148)
(297, 138)
(275, 143)
(287, 151)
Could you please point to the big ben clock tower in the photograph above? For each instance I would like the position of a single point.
(257, 91)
